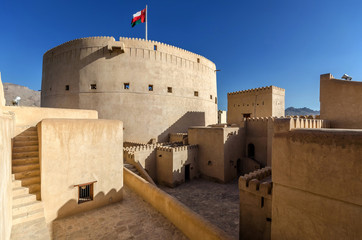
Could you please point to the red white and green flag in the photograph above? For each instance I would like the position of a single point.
(139, 17)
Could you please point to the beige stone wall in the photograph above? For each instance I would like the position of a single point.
(258, 102)
(171, 164)
(191, 224)
(6, 133)
(30, 116)
(82, 62)
(255, 204)
(178, 137)
(219, 150)
(76, 152)
(2, 95)
(340, 102)
(317, 184)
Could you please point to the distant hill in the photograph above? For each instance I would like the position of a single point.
(300, 111)
(29, 97)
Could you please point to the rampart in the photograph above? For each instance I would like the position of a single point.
(176, 88)
(256, 204)
(178, 138)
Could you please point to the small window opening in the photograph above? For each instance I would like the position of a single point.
(85, 193)
(209, 163)
(50, 89)
(210, 96)
(268, 219)
(251, 151)
(262, 202)
(93, 86)
(215, 100)
(150, 87)
(126, 86)
(169, 89)
(198, 60)
(246, 115)
(159, 155)
(66, 87)
(155, 47)
(196, 93)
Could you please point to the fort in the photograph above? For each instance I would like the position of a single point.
(133, 115)
(127, 78)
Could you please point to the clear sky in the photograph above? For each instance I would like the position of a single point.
(255, 43)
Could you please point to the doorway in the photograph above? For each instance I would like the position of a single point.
(251, 151)
(187, 172)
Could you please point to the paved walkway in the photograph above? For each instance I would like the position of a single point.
(218, 203)
(132, 218)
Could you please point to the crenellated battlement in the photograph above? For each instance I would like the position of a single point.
(257, 182)
(289, 123)
(260, 119)
(177, 149)
(261, 90)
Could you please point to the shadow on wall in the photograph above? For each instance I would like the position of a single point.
(182, 124)
(72, 207)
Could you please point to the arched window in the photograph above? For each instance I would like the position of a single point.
(251, 151)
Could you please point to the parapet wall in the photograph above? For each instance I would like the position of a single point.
(287, 124)
(260, 90)
(253, 183)
(176, 149)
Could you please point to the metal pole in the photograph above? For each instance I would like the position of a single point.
(146, 20)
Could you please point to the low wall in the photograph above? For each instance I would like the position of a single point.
(190, 223)
(317, 184)
(76, 152)
(31, 116)
(6, 133)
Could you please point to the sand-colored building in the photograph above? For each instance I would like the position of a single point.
(154, 88)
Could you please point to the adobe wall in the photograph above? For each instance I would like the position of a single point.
(340, 102)
(110, 64)
(26, 117)
(317, 184)
(171, 162)
(6, 133)
(219, 148)
(178, 137)
(255, 204)
(258, 102)
(190, 223)
(76, 152)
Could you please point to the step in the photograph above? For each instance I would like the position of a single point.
(28, 132)
(33, 188)
(26, 207)
(38, 195)
(29, 181)
(27, 174)
(16, 183)
(19, 143)
(24, 161)
(25, 198)
(25, 155)
(33, 148)
(25, 167)
(25, 217)
(25, 138)
(17, 191)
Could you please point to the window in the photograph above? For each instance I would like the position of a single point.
(155, 47)
(85, 192)
(150, 87)
(246, 115)
(126, 86)
(50, 89)
(198, 60)
(196, 93)
(251, 151)
(66, 87)
(93, 86)
(169, 89)
(210, 96)
(215, 100)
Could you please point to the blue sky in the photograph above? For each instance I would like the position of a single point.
(255, 43)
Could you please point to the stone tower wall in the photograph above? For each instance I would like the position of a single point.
(108, 65)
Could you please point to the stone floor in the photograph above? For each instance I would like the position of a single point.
(218, 203)
(132, 218)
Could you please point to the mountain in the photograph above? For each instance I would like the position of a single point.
(291, 111)
(29, 97)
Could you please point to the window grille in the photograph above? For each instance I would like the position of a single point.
(85, 192)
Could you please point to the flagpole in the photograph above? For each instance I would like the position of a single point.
(146, 21)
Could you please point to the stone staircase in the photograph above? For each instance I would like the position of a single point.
(26, 177)
(131, 168)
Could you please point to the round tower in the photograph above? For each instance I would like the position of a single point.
(154, 88)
